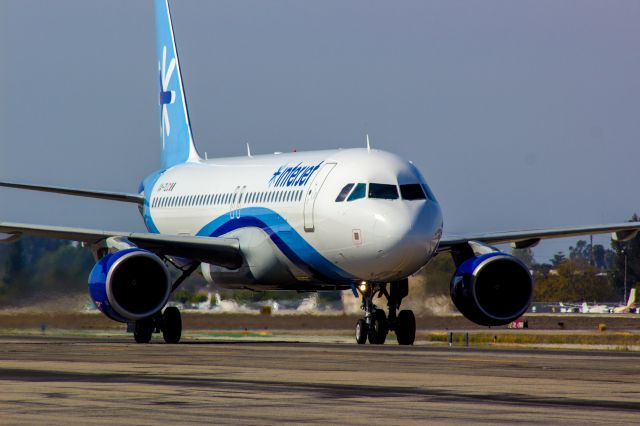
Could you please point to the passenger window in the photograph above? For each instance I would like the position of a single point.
(344, 192)
(383, 191)
(412, 191)
(358, 192)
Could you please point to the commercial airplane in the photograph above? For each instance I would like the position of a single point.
(359, 219)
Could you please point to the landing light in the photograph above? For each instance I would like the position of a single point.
(363, 286)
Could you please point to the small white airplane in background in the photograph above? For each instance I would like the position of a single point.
(359, 219)
(586, 308)
(631, 306)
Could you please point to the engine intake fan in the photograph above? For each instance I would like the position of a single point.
(492, 289)
(130, 284)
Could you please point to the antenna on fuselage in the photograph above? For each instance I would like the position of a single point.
(368, 144)
(248, 151)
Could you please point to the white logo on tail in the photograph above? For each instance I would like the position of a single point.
(166, 96)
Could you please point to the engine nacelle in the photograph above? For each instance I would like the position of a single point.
(129, 284)
(492, 289)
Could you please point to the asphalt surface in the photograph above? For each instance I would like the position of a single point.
(58, 380)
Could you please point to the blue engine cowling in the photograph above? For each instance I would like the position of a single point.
(129, 284)
(492, 289)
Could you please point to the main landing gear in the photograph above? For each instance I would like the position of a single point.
(169, 322)
(376, 325)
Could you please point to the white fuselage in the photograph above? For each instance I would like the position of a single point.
(292, 232)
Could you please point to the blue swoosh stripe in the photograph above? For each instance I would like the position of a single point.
(288, 241)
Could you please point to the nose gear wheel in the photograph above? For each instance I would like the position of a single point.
(376, 324)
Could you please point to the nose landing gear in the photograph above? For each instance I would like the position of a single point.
(376, 325)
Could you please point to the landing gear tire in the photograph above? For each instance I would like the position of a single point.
(171, 325)
(379, 328)
(143, 330)
(406, 328)
(362, 329)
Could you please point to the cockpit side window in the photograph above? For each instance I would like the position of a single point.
(345, 191)
(383, 191)
(412, 191)
(429, 193)
(360, 191)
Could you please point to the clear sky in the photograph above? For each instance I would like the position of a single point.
(520, 114)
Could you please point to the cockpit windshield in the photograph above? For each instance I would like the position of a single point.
(344, 192)
(412, 191)
(383, 191)
(360, 191)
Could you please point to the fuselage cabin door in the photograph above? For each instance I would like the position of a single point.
(312, 194)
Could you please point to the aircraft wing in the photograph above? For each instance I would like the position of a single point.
(525, 239)
(217, 251)
(114, 196)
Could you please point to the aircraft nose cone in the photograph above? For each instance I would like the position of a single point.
(405, 237)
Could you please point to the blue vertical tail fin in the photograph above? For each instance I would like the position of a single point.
(177, 138)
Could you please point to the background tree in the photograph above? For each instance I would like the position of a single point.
(36, 268)
(525, 255)
(573, 280)
(597, 255)
(557, 259)
(632, 251)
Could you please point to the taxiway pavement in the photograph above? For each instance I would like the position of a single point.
(58, 380)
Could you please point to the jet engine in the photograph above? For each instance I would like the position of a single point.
(129, 284)
(492, 289)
